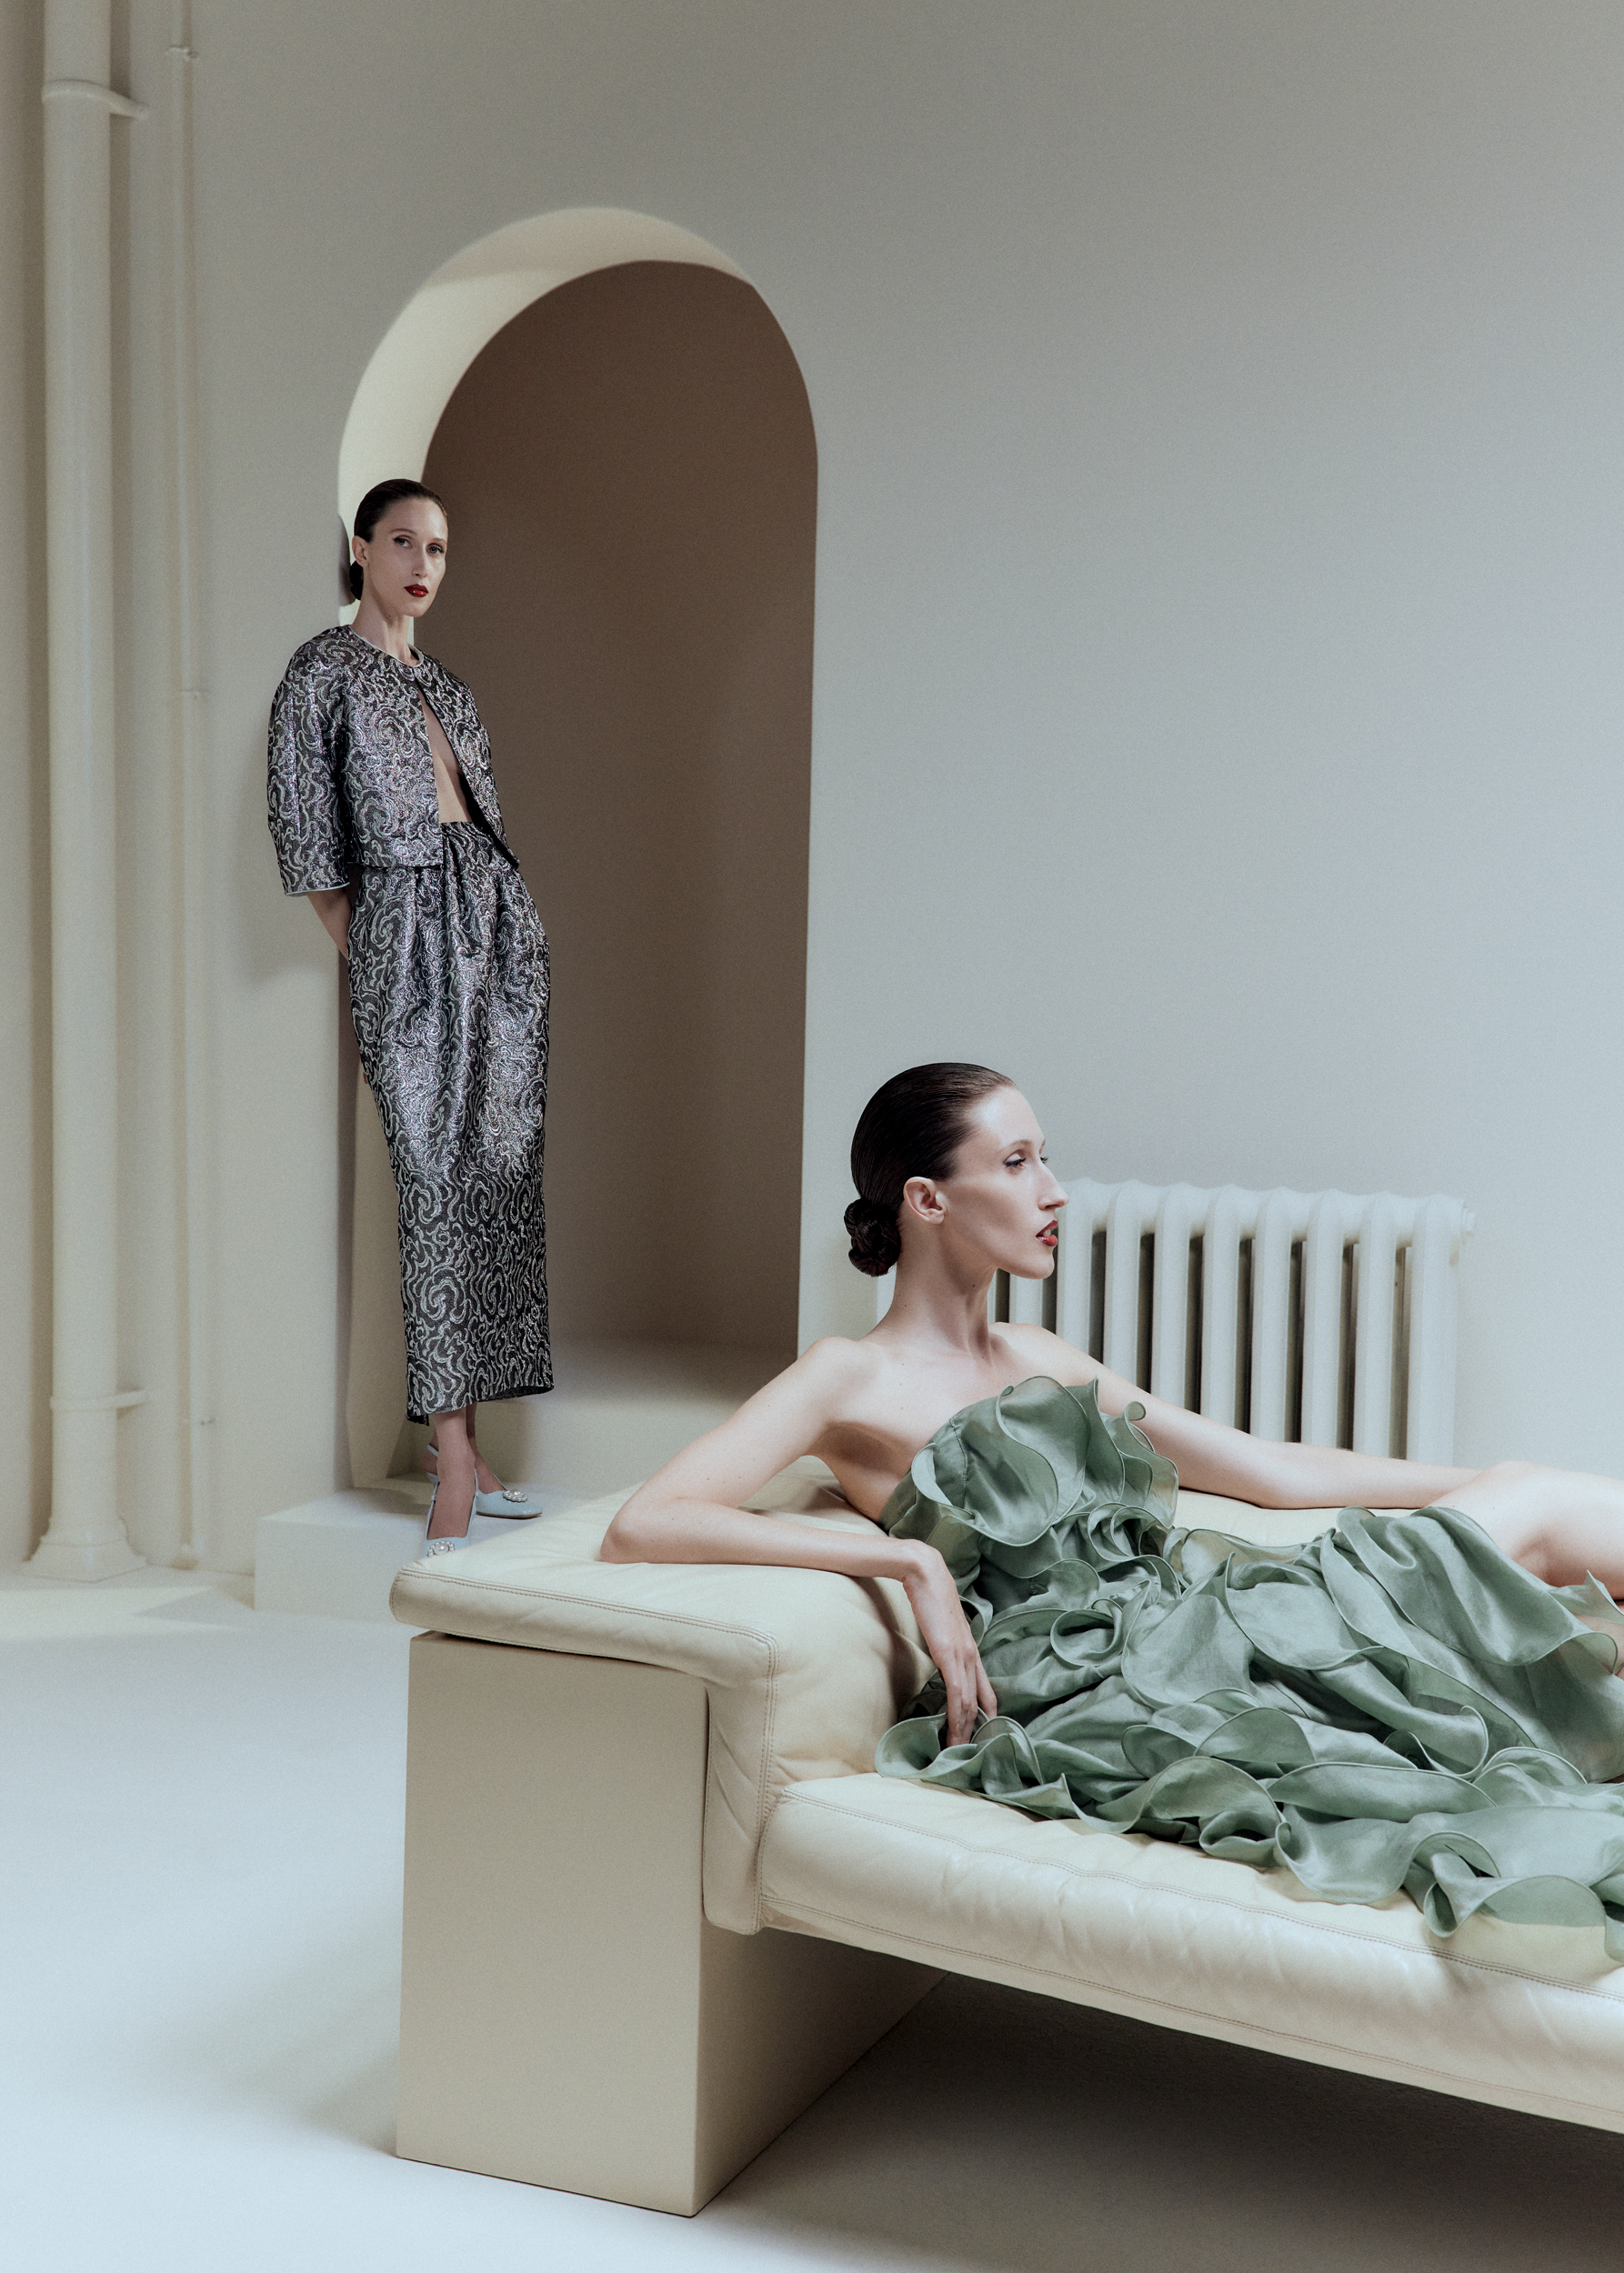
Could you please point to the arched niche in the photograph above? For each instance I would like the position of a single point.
(629, 461)
(464, 304)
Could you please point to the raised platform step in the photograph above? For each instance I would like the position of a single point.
(337, 1557)
(619, 1411)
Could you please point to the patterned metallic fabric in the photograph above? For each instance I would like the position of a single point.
(351, 780)
(448, 987)
(449, 982)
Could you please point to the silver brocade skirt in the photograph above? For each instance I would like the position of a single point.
(448, 989)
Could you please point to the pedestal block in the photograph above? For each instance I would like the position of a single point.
(568, 2014)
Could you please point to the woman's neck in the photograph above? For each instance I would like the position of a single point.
(393, 633)
(937, 1303)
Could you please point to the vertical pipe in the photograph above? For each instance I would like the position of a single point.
(85, 1538)
(189, 793)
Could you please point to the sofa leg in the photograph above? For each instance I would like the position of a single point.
(568, 2014)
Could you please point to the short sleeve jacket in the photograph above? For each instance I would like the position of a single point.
(351, 778)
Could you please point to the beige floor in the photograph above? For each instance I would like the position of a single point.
(198, 1950)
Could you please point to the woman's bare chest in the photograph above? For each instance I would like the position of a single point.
(872, 1446)
(448, 780)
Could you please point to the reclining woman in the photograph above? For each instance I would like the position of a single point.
(1418, 1700)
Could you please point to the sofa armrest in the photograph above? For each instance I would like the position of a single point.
(804, 1669)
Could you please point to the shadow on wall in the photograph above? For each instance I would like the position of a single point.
(631, 477)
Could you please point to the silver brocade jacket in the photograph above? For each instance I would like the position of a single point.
(352, 782)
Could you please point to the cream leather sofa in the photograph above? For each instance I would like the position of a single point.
(657, 1899)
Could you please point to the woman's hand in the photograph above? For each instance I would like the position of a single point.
(333, 913)
(945, 1632)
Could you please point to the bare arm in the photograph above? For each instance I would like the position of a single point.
(1211, 1458)
(332, 911)
(689, 1512)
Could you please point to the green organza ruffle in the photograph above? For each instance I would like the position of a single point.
(1393, 1703)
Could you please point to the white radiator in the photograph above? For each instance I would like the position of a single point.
(1313, 1317)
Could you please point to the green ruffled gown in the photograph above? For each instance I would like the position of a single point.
(1392, 1704)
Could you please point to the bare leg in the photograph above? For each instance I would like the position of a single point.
(487, 1478)
(1556, 1524)
(454, 1500)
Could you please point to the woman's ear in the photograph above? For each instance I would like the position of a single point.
(926, 1199)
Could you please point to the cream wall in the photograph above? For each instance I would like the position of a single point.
(1218, 675)
(25, 946)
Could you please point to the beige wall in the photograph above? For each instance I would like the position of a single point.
(25, 946)
(631, 474)
(1218, 673)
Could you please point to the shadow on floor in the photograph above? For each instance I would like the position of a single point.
(314, 2044)
(997, 2129)
(226, 1599)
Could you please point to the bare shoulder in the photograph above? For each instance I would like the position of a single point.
(788, 1416)
(1041, 1352)
(836, 1357)
(830, 1374)
(820, 1385)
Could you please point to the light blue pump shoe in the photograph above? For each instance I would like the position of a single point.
(509, 1505)
(438, 1547)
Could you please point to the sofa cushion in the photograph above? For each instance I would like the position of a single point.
(1268, 1526)
(806, 1671)
(1523, 2016)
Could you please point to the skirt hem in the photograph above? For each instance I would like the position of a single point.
(483, 1397)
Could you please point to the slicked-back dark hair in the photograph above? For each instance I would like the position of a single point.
(913, 1124)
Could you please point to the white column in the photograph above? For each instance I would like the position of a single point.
(191, 793)
(86, 1538)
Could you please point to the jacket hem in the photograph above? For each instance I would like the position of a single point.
(318, 884)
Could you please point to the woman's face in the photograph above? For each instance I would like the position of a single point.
(405, 557)
(1000, 1203)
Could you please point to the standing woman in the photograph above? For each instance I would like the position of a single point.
(384, 813)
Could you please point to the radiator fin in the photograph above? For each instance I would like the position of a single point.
(1311, 1318)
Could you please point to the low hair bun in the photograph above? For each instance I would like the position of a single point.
(357, 579)
(876, 1242)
